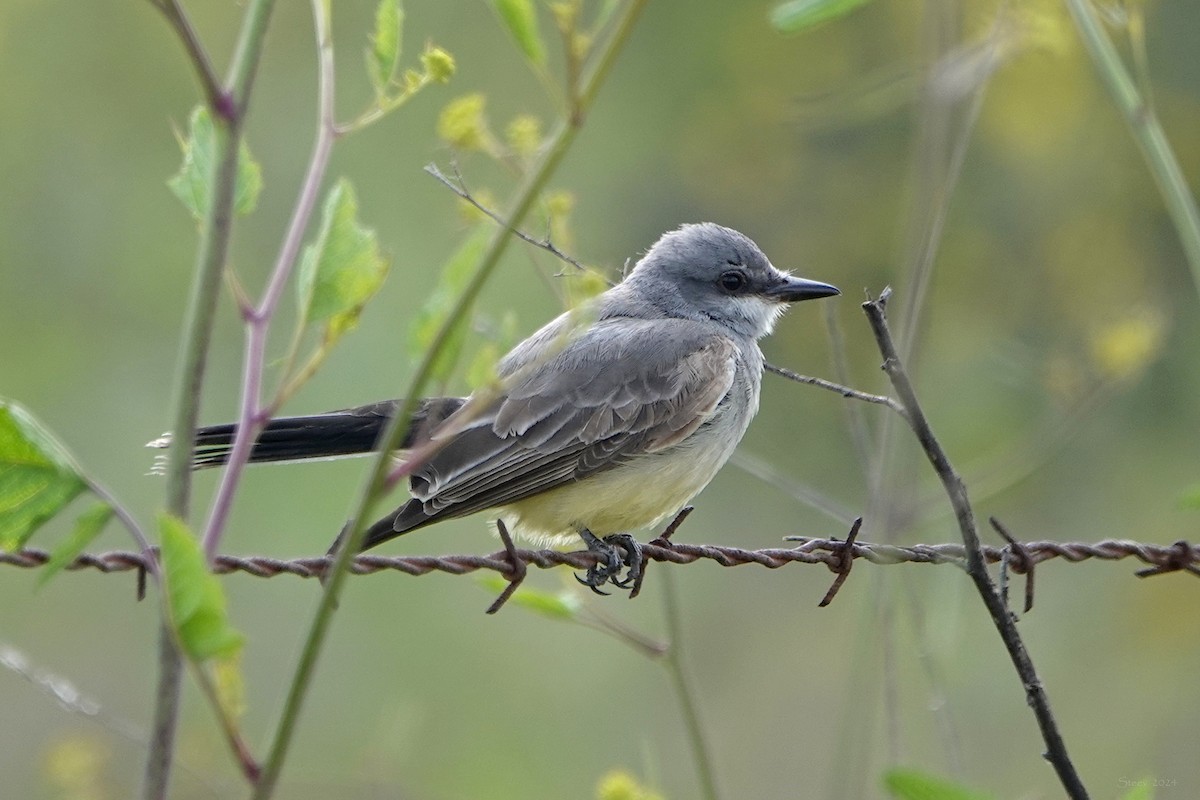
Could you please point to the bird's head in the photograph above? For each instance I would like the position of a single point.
(706, 271)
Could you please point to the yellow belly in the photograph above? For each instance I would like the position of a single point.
(635, 495)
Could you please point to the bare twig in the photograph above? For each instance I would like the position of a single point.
(1035, 693)
(459, 187)
(844, 391)
(216, 98)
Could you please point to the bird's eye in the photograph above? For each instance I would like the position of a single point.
(732, 280)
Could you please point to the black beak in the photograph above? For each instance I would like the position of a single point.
(793, 290)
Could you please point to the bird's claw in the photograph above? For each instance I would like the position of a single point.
(607, 569)
(588, 583)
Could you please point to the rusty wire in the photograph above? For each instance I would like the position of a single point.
(1158, 557)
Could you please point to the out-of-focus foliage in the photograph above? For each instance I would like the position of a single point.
(619, 785)
(910, 784)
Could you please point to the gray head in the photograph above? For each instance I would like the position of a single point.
(709, 272)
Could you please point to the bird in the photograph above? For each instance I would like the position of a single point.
(606, 421)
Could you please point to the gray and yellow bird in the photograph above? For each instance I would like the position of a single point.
(597, 430)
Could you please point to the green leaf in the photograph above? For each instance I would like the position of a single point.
(520, 17)
(343, 268)
(87, 528)
(798, 15)
(194, 595)
(911, 784)
(562, 606)
(432, 315)
(383, 53)
(38, 477)
(191, 183)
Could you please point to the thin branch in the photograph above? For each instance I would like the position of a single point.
(844, 391)
(1035, 693)
(210, 85)
(229, 111)
(125, 517)
(459, 187)
(801, 492)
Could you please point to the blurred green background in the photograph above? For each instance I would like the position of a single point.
(1056, 359)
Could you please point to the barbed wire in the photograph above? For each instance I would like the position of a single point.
(830, 552)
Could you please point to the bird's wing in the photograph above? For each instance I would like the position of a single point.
(622, 388)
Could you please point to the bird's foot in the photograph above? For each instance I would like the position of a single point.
(608, 568)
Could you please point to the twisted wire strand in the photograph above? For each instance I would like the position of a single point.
(1162, 558)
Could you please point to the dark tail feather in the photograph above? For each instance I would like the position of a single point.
(408, 517)
(338, 433)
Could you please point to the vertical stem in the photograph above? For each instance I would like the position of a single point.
(956, 491)
(681, 681)
(211, 254)
(1146, 130)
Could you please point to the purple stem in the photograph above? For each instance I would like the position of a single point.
(253, 415)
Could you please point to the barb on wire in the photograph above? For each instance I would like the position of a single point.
(1182, 558)
(845, 560)
(1160, 558)
(517, 569)
(1026, 564)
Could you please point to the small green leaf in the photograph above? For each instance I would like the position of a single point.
(562, 606)
(38, 477)
(432, 315)
(383, 53)
(798, 15)
(911, 784)
(191, 183)
(194, 595)
(520, 17)
(343, 268)
(87, 528)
